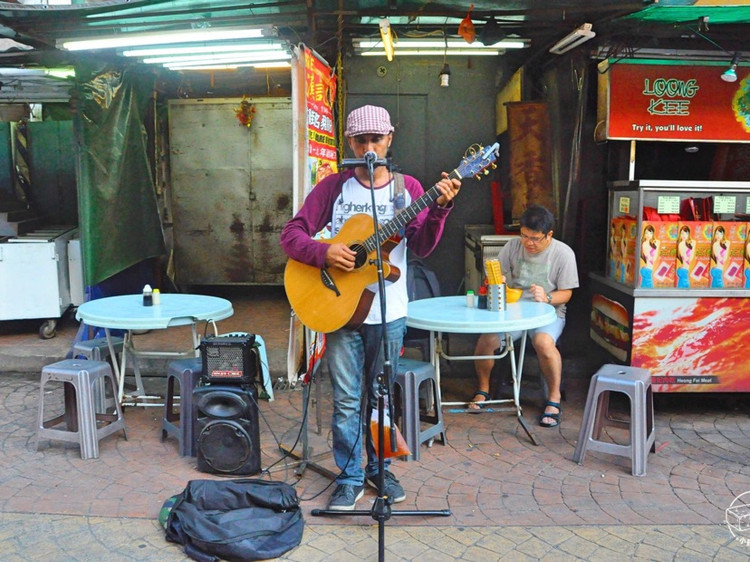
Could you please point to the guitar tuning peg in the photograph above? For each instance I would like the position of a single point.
(486, 172)
(477, 177)
(494, 166)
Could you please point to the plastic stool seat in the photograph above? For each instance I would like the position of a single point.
(79, 377)
(635, 383)
(187, 373)
(97, 349)
(409, 378)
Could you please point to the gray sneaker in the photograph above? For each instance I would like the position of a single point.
(393, 488)
(345, 497)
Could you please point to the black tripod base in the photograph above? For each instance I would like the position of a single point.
(435, 513)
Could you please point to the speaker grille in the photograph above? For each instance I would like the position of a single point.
(227, 436)
(230, 360)
(225, 446)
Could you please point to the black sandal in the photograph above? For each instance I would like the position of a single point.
(478, 405)
(555, 417)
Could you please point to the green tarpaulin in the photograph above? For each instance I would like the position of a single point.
(119, 217)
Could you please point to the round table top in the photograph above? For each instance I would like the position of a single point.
(126, 312)
(450, 314)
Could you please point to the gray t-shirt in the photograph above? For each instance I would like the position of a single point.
(554, 268)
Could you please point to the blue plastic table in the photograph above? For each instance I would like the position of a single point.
(451, 315)
(126, 312)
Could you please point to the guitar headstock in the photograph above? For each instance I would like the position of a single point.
(477, 160)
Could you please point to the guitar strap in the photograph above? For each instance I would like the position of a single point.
(399, 199)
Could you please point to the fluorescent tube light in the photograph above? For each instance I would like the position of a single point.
(572, 40)
(441, 44)
(217, 66)
(428, 52)
(402, 47)
(202, 49)
(163, 38)
(219, 59)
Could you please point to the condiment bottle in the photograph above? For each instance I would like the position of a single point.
(148, 296)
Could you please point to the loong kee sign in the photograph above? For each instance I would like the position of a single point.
(660, 100)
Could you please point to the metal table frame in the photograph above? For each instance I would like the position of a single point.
(451, 315)
(126, 312)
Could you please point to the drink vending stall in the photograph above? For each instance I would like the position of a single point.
(674, 296)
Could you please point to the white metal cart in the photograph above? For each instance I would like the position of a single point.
(34, 276)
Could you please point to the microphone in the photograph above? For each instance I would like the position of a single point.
(370, 159)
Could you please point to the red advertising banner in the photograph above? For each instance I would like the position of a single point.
(320, 94)
(664, 100)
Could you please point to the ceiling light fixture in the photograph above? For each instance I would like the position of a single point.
(220, 59)
(162, 38)
(572, 40)
(445, 76)
(202, 49)
(445, 73)
(730, 74)
(262, 65)
(387, 38)
(369, 47)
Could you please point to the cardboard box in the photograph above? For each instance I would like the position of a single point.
(613, 251)
(727, 254)
(657, 247)
(626, 259)
(697, 254)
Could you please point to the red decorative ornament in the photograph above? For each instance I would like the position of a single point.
(245, 113)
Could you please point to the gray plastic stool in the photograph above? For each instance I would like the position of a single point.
(98, 350)
(78, 377)
(409, 378)
(187, 372)
(634, 383)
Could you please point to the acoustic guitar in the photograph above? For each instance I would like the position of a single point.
(326, 299)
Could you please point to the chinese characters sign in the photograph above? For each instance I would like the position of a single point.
(646, 100)
(320, 93)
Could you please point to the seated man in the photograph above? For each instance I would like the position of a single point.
(546, 270)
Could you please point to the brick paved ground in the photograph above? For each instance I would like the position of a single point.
(507, 497)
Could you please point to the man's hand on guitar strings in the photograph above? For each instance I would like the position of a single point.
(448, 189)
(340, 256)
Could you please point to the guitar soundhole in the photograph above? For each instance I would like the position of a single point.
(361, 258)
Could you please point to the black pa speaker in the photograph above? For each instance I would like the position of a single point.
(230, 359)
(227, 435)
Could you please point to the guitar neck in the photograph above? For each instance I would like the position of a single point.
(407, 215)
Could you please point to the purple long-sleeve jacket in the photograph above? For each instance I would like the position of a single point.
(422, 234)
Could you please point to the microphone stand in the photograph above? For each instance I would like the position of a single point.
(381, 510)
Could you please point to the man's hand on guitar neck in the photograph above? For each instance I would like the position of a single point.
(340, 256)
(448, 189)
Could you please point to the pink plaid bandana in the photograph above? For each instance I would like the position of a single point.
(368, 119)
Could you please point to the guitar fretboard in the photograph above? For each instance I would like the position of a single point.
(407, 215)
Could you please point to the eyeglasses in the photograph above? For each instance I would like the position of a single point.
(533, 239)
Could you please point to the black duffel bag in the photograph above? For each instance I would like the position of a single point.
(243, 519)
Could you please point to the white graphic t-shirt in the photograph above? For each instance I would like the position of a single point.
(355, 199)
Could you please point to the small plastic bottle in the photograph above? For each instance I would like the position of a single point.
(148, 296)
(156, 297)
(482, 297)
(470, 299)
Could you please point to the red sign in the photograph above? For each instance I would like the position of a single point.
(678, 102)
(320, 94)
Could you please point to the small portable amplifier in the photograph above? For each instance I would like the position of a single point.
(231, 359)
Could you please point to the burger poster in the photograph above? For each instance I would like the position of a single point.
(693, 344)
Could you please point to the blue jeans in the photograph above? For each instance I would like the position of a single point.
(354, 356)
